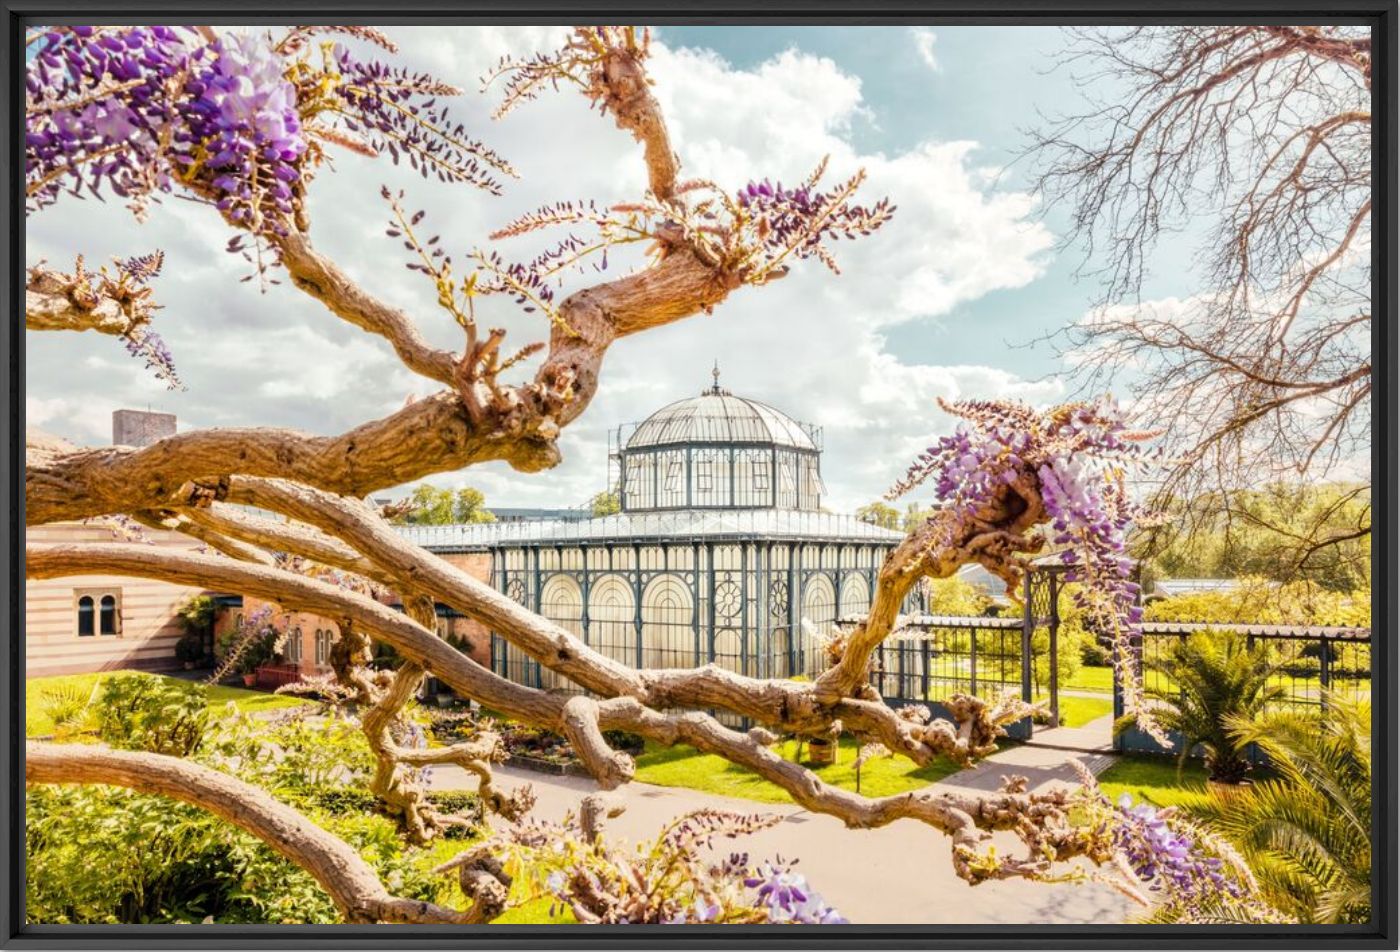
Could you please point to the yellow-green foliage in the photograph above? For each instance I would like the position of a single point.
(955, 596)
(1261, 602)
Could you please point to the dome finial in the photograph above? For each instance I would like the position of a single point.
(715, 388)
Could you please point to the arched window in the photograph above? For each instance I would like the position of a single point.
(668, 634)
(561, 601)
(612, 619)
(855, 595)
(85, 616)
(291, 653)
(108, 620)
(818, 617)
(324, 637)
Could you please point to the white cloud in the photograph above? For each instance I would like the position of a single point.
(924, 41)
(811, 344)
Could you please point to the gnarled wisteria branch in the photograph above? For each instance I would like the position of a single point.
(351, 883)
(1042, 820)
(118, 303)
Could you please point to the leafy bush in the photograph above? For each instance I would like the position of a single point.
(1307, 833)
(189, 649)
(144, 712)
(1263, 602)
(108, 855)
(68, 706)
(1220, 681)
(198, 612)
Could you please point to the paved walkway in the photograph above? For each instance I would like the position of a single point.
(901, 873)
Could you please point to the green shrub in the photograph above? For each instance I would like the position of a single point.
(1220, 681)
(189, 649)
(108, 855)
(145, 712)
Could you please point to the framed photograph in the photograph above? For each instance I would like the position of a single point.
(893, 475)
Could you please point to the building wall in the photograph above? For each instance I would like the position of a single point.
(755, 606)
(306, 630)
(307, 647)
(148, 623)
(140, 427)
(477, 635)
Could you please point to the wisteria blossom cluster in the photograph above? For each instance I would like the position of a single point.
(774, 224)
(141, 110)
(1165, 858)
(752, 234)
(1074, 460)
(238, 119)
(1165, 861)
(671, 880)
(788, 898)
(100, 105)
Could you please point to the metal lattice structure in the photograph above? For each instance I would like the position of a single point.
(718, 451)
(721, 553)
(1313, 663)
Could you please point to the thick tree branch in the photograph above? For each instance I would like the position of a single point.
(1040, 819)
(86, 301)
(350, 881)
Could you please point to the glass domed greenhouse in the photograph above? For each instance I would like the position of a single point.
(719, 554)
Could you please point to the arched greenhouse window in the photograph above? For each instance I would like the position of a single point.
(668, 635)
(85, 616)
(819, 613)
(612, 618)
(855, 596)
(561, 601)
(107, 624)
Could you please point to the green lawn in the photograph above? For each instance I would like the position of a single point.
(1154, 780)
(1078, 711)
(1091, 679)
(38, 724)
(682, 766)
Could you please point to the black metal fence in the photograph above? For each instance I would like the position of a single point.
(942, 655)
(1311, 664)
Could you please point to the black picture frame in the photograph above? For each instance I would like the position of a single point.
(1380, 14)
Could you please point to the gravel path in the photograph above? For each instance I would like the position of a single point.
(900, 873)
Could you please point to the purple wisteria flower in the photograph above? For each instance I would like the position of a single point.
(788, 898)
(1075, 459)
(1167, 860)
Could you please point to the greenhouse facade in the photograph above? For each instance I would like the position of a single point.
(721, 552)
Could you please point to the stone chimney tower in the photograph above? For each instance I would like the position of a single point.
(140, 427)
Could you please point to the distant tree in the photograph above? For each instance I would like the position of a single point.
(879, 514)
(606, 503)
(1259, 138)
(469, 505)
(915, 516)
(431, 505)
(1316, 534)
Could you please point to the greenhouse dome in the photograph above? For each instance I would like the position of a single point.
(720, 451)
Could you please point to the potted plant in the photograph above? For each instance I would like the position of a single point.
(1216, 680)
(197, 616)
(189, 650)
(821, 750)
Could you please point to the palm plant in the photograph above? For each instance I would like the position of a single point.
(1306, 833)
(1216, 676)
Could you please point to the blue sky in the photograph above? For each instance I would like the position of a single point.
(934, 305)
(991, 85)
